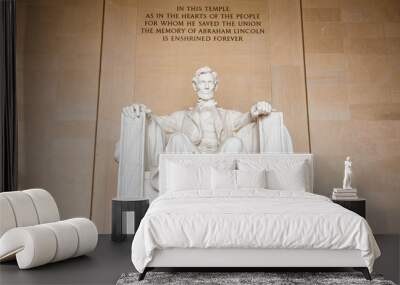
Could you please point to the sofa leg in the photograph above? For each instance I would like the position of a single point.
(143, 274)
(365, 272)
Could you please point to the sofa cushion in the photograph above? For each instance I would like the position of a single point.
(40, 244)
(7, 220)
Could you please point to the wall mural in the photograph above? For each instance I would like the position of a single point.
(204, 128)
(151, 50)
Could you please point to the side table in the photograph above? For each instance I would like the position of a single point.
(358, 205)
(126, 204)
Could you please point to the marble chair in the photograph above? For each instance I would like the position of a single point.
(31, 231)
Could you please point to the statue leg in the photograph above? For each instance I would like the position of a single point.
(180, 143)
(232, 145)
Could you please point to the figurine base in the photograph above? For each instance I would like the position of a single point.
(348, 190)
(344, 194)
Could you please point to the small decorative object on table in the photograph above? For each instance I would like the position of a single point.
(120, 205)
(347, 173)
(347, 192)
(347, 196)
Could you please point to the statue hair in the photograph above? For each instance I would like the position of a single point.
(204, 70)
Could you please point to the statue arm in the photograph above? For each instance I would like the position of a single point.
(168, 124)
(191, 129)
(241, 120)
(179, 122)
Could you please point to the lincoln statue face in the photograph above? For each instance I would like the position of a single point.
(205, 83)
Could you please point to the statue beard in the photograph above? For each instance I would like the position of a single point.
(206, 103)
(205, 96)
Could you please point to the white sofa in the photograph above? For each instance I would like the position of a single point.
(31, 230)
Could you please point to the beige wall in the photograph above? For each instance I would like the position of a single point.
(58, 55)
(141, 68)
(116, 91)
(164, 69)
(351, 51)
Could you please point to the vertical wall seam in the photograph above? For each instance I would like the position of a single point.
(97, 110)
(305, 76)
(268, 46)
(135, 47)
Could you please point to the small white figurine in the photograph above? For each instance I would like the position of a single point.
(347, 174)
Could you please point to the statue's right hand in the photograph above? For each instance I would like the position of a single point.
(135, 110)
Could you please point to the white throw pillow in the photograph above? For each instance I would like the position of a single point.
(223, 179)
(251, 178)
(188, 177)
(282, 173)
(293, 178)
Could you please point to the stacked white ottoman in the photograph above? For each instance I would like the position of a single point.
(31, 230)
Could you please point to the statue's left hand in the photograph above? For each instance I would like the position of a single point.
(260, 109)
(135, 110)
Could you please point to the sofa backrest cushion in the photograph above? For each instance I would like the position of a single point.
(7, 218)
(45, 205)
(26, 208)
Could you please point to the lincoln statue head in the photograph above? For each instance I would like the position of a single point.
(205, 82)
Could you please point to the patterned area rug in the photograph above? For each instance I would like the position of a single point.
(243, 278)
